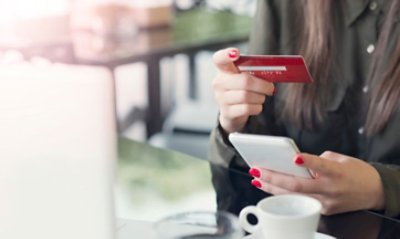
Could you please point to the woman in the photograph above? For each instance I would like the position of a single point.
(347, 120)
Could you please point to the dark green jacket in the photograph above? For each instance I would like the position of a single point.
(275, 32)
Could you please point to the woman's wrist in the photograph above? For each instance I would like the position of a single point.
(229, 126)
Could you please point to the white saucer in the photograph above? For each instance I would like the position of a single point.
(318, 235)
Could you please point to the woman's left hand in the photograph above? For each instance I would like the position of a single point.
(341, 183)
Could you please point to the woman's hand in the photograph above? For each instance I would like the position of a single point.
(341, 183)
(239, 95)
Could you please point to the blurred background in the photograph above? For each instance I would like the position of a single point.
(158, 53)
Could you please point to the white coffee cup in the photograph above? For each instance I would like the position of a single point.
(284, 216)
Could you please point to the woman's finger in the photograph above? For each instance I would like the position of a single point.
(269, 188)
(233, 97)
(317, 164)
(240, 110)
(223, 59)
(243, 81)
(290, 183)
(275, 190)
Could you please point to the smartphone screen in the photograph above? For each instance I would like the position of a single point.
(269, 152)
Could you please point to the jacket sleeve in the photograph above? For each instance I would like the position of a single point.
(221, 151)
(390, 176)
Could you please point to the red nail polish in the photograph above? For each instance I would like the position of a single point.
(275, 90)
(298, 160)
(233, 54)
(255, 172)
(256, 183)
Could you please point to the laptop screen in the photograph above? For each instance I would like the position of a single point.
(57, 152)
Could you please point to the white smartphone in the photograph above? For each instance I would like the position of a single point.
(270, 152)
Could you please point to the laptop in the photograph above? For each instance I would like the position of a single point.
(57, 152)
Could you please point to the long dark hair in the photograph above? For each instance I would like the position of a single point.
(305, 103)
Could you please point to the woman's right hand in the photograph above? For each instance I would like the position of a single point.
(239, 95)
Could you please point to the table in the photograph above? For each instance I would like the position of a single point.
(191, 31)
(128, 229)
(183, 183)
(153, 183)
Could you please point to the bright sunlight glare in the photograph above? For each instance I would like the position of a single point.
(15, 10)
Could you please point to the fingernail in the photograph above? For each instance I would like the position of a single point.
(255, 172)
(275, 90)
(298, 160)
(256, 183)
(233, 54)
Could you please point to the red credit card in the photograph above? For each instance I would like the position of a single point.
(275, 68)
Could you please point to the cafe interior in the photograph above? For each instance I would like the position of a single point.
(106, 108)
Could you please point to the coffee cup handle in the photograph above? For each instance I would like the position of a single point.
(243, 219)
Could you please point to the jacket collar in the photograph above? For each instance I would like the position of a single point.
(353, 10)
